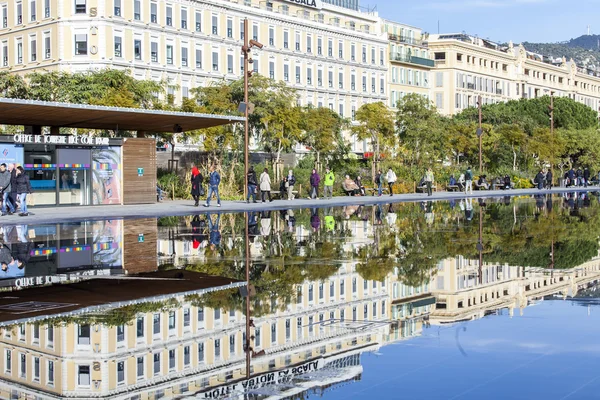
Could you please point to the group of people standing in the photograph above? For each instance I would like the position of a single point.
(14, 186)
(286, 186)
(578, 177)
(543, 179)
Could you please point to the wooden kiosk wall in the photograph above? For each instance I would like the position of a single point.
(139, 153)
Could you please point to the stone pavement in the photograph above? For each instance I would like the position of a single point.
(186, 207)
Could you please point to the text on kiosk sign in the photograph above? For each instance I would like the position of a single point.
(61, 139)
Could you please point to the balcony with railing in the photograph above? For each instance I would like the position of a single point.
(406, 58)
(405, 39)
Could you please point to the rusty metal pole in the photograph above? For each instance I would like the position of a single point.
(247, 264)
(246, 50)
(552, 131)
(480, 244)
(480, 136)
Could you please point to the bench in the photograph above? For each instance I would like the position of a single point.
(477, 186)
(423, 189)
(374, 191)
(452, 188)
(348, 192)
(277, 193)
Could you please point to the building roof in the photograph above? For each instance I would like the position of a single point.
(97, 295)
(42, 113)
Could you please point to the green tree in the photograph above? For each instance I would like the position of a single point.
(420, 129)
(13, 86)
(376, 123)
(322, 130)
(514, 136)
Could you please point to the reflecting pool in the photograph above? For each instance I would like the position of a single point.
(493, 298)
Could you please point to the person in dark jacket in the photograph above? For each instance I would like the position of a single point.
(360, 185)
(586, 176)
(549, 179)
(196, 185)
(315, 179)
(214, 180)
(5, 189)
(579, 175)
(571, 177)
(23, 189)
(539, 180)
(506, 182)
(252, 183)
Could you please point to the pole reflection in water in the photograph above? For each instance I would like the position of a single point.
(248, 290)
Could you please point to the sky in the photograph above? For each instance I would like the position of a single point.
(498, 20)
(551, 352)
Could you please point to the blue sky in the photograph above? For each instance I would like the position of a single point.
(551, 352)
(498, 20)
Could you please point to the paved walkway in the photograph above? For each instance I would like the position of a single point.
(186, 207)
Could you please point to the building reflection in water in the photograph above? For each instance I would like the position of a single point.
(331, 284)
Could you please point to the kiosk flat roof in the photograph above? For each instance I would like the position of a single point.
(42, 113)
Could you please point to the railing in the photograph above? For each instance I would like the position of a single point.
(405, 39)
(411, 59)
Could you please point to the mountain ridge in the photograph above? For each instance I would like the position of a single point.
(584, 50)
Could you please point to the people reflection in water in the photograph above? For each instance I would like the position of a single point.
(253, 230)
(197, 230)
(329, 220)
(539, 202)
(429, 215)
(315, 220)
(265, 223)
(549, 203)
(214, 231)
(379, 214)
(290, 219)
(9, 266)
(469, 209)
(391, 216)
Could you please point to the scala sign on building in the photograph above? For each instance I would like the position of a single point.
(309, 3)
(61, 139)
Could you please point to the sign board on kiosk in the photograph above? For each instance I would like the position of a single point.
(61, 139)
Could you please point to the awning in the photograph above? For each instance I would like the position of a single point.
(42, 113)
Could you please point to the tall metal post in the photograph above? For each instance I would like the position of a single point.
(480, 135)
(552, 129)
(247, 264)
(246, 50)
(480, 245)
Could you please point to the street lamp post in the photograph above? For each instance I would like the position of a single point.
(551, 110)
(480, 133)
(248, 44)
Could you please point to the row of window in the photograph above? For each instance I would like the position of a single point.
(33, 52)
(482, 84)
(26, 11)
(407, 76)
(311, 287)
(37, 332)
(28, 365)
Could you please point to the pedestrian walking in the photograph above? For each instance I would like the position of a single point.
(265, 185)
(328, 183)
(291, 181)
(379, 182)
(214, 180)
(468, 181)
(5, 189)
(539, 180)
(549, 180)
(391, 179)
(23, 189)
(315, 179)
(586, 176)
(252, 183)
(197, 189)
(429, 180)
(571, 177)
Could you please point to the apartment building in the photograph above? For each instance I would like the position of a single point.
(464, 291)
(334, 55)
(410, 61)
(175, 345)
(467, 67)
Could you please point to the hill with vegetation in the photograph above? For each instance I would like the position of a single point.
(585, 50)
